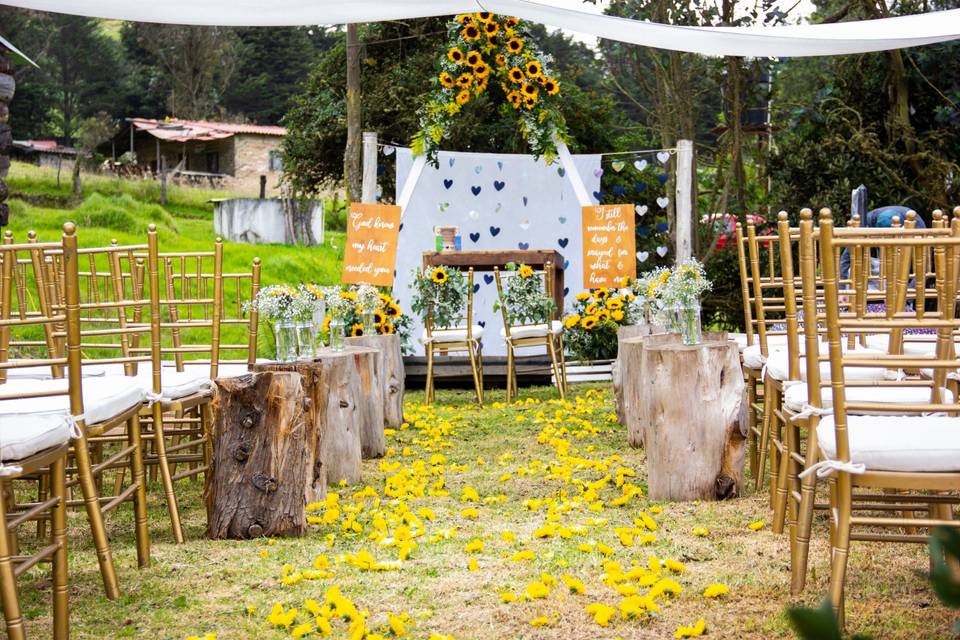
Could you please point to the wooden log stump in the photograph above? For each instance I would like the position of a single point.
(369, 399)
(633, 385)
(392, 375)
(332, 384)
(261, 476)
(689, 411)
(616, 373)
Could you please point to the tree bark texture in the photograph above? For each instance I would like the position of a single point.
(369, 401)
(261, 478)
(8, 87)
(351, 157)
(624, 333)
(687, 403)
(391, 374)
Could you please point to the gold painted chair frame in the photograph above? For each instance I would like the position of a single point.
(472, 345)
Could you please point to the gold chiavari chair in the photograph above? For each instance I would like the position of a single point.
(35, 431)
(444, 340)
(548, 334)
(913, 455)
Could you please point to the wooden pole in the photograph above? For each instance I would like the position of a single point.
(7, 89)
(369, 192)
(351, 156)
(684, 200)
(163, 182)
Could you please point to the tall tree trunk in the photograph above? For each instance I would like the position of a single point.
(351, 156)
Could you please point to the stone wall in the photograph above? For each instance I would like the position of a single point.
(256, 221)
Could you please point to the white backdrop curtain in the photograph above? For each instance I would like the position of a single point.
(786, 41)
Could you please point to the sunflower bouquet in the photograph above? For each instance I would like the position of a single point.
(591, 327)
(681, 297)
(483, 47)
(524, 296)
(648, 288)
(347, 305)
(441, 293)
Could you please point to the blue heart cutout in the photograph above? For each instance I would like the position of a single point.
(400, 228)
(487, 278)
(482, 323)
(562, 219)
(561, 171)
(663, 178)
(566, 290)
(494, 231)
(475, 190)
(563, 242)
(477, 169)
(500, 165)
(381, 169)
(523, 245)
(476, 288)
(499, 185)
(598, 195)
(451, 161)
(447, 182)
(475, 237)
(642, 231)
(619, 190)
(566, 264)
(640, 186)
(661, 227)
(524, 200)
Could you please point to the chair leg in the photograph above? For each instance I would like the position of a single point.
(428, 386)
(206, 424)
(9, 594)
(473, 370)
(839, 552)
(765, 432)
(98, 531)
(480, 369)
(563, 363)
(165, 475)
(782, 478)
(752, 424)
(509, 373)
(60, 571)
(800, 543)
(556, 365)
(138, 477)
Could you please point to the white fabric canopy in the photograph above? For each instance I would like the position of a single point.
(788, 41)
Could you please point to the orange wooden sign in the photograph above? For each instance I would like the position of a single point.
(371, 252)
(609, 245)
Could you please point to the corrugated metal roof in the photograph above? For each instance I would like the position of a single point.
(45, 146)
(176, 130)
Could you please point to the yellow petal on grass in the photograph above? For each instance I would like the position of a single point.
(574, 584)
(473, 565)
(542, 621)
(506, 596)
(601, 613)
(674, 565)
(716, 590)
(397, 626)
(757, 525)
(474, 546)
(470, 514)
(525, 554)
(691, 632)
(508, 536)
(536, 590)
(701, 532)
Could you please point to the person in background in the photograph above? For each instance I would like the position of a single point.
(881, 217)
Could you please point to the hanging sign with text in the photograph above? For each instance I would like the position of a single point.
(371, 252)
(609, 245)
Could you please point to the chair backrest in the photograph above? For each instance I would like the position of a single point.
(746, 284)
(503, 278)
(428, 320)
(766, 277)
(18, 316)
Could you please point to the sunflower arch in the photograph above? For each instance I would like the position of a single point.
(485, 47)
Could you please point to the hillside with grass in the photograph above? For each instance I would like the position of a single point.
(121, 209)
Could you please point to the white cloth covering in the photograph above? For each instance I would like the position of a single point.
(795, 396)
(533, 330)
(753, 358)
(458, 334)
(794, 41)
(103, 397)
(778, 367)
(897, 443)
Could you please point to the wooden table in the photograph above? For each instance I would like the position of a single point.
(487, 260)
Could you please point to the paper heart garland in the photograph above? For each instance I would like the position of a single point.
(642, 209)
(643, 255)
(663, 156)
(524, 224)
(662, 250)
(617, 165)
(598, 172)
(388, 150)
(640, 165)
(663, 201)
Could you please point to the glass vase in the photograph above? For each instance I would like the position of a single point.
(319, 315)
(688, 319)
(306, 340)
(337, 340)
(286, 336)
(367, 319)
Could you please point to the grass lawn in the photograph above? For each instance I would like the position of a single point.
(545, 477)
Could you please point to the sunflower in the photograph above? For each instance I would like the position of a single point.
(393, 310)
(481, 85)
(464, 18)
(440, 274)
(387, 328)
(465, 79)
(511, 22)
(471, 32)
(571, 321)
(533, 69)
(491, 29)
(529, 90)
(601, 293)
(514, 98)
(482, 70)
(455, 55)
(589, 322)
(525, 271)
(501, 60)
(326, 324)
(379, 317)
(591, 309)
(603, 314)
(484, 16)
(446, 79)
(582, 296)
(516, 75)
(385, 299)
(349, 295)
(356, 330)
(530, 102)
(474, 58)
(514, 45)
(617, 315)
(551, 86)
(614, 304)
(463, 98)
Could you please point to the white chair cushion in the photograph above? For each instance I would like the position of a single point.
(175, 384)
(897, 443)
(912, 345)
(44, 373)
(795, 396)
(753, 359)
(103, 397)
(778, 367)
(22, 435)
(533, 330)
(740, 339)
(224, 370)
(459, 334)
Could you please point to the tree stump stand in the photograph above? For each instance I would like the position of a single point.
(688, 407)
(616, 373)
(337, 394)
(261, 476)
(391, 374)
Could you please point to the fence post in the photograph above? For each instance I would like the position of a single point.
(369, 189)
(684, 200)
